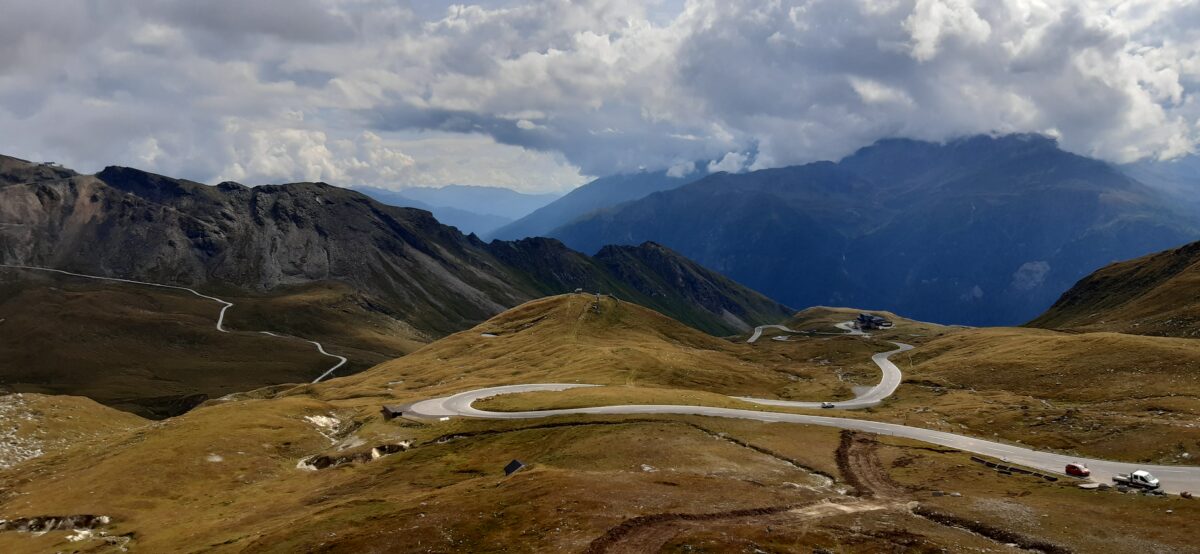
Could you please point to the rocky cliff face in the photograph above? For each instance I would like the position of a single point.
(127, 223)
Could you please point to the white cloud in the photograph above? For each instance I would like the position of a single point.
(874, 92)
(539, 95)
(935, 21)
(732, 162)
(260, 155)
(681, 169)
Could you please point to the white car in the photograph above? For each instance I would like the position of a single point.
(827, 404)
(1140, 479)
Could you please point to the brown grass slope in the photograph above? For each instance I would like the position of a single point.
(224, 477)
(35, 425)
(1109, 395)
(1151, 295)
(823, 318)
(156, 352)
(575, 338)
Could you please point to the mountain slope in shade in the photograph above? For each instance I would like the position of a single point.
(1151, 295)
(402, 262)
(983, 230)
(604, 192)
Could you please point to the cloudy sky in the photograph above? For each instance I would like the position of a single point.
(540, 95)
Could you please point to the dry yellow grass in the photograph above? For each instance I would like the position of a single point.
(223, 477)
(823, 318)
(563, 339)
(35, 425)
(610, 396)
(1104, 394)
(1079, 367)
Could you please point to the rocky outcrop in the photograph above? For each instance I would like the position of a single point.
(127, 223)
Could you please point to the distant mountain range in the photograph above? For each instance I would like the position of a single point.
(1179, 177)
(497, 201)
(472, 209)
(601, 193)
(466, 221)
(128, 223)
(982, 230)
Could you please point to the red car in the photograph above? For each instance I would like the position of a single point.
(1078, 470)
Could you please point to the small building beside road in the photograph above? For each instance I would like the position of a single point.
(867, 321)
(391, 411)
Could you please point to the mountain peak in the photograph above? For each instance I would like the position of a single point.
(16, 170)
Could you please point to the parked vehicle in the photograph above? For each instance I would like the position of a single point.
(1078, 470)
(1140, 479)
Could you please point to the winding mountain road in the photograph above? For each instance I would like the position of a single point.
(847, 326)
(887, 384)
(758, 331)
(1174, 479)
(225, 305)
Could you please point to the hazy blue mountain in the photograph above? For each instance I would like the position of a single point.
(981, 230)
(1179, 177)
(604, 192)
(466, 221)
(497, 201)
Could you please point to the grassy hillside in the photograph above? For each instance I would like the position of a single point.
(574, 338)
(36, 425)
(596, 484)
(225, 477)
(1111, 395)
(156, 352)
(822, 318)
(1151, 295)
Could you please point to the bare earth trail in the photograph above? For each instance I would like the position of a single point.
(225, 305)
(1175, 479)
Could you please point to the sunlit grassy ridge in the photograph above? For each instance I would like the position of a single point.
(224, 477)
(575, 338)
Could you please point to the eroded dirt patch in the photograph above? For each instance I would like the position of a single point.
(861, 468)
(644, 533)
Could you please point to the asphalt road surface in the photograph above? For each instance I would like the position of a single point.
(1174, 478)
(759, 330)
(887, 385)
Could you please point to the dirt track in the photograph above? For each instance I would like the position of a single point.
(861, 469)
